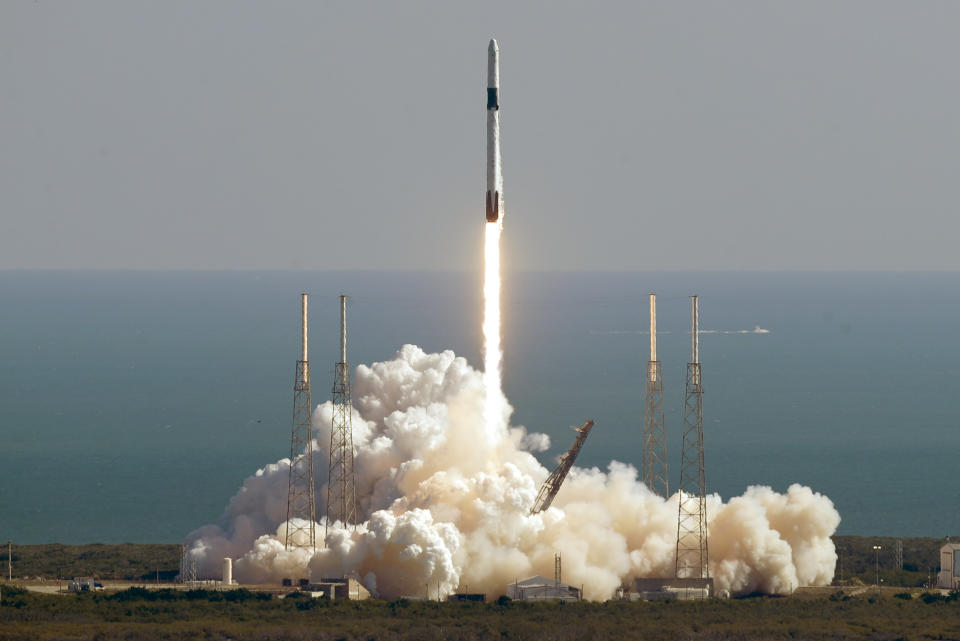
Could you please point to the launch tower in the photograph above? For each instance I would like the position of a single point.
(301, 500)
(654, 431)
(550, 487)
(692, 557)
(341, 489)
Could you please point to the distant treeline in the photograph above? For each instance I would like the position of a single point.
(148, 561)
(121, 561)
(858, 562)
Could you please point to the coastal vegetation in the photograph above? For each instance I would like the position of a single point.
(142, 614)
(118, 561)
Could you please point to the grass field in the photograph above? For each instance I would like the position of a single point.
(145, 615)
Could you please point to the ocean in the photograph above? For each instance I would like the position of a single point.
(133, 404)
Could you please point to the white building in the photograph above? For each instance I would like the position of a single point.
(539, 588)
(949, 577)
(661, 589)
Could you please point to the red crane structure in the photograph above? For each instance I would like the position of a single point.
(551, 486)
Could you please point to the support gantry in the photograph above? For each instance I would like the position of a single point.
(692, 555)
(341, 489)
(301, 497)
(550, 487)
(654, 468)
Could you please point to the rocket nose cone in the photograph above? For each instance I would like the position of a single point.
(493, 48)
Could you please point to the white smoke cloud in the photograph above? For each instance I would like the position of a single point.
(445, 503)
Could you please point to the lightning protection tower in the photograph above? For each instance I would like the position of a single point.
(301, 501)
(188, 565)
(654, 430)
(341, 489)
(692, 557)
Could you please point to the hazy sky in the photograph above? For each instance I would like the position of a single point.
(327, 135)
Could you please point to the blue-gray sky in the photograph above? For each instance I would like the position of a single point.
(327, 135)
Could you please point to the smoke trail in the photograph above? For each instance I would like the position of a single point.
(492, 356)
(446, 502)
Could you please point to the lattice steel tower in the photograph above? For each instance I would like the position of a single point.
(692, 556)
(188, 565)
(341, 489)
(654, 430)
(301, 499)
(550, 487)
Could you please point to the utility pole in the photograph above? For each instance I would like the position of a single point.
(876, 549)
(841, 565)
(10, 561)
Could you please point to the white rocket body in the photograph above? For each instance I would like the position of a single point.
(494, 170)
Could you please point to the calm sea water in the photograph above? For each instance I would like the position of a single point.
(132, 405)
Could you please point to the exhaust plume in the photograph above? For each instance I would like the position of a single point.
(445, 499)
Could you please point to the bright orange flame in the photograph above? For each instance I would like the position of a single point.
(492, 356)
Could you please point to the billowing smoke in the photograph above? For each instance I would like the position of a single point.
(446, 502)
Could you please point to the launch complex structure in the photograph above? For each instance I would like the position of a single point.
(301, 500)
(341, 486)
(692, 554)
(341, 506)
(654, 467)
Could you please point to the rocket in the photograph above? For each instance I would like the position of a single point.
(494, 170)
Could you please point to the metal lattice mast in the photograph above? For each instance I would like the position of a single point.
(552, 485)
(301, 500)
(188, 565)
(692, 556)
(341, 489)
(654, 430)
